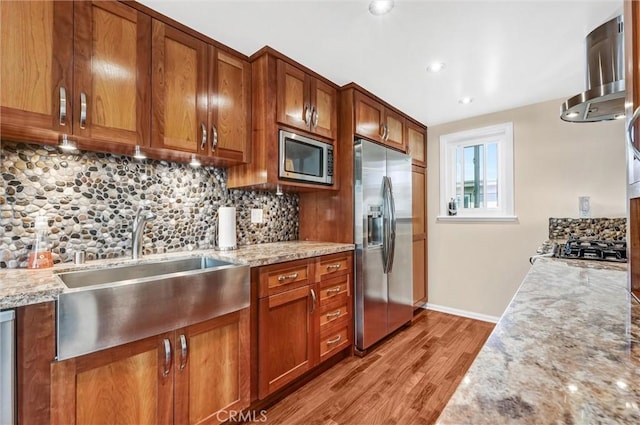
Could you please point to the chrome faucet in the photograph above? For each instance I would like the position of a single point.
(142, 216)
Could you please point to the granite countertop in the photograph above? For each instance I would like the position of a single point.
(20, 287)
(566, 350)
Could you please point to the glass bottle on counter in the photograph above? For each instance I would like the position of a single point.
(40, 256)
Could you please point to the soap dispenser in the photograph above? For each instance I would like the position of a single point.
(40, 256)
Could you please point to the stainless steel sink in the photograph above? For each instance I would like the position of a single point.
(113, 306)
(113, 275)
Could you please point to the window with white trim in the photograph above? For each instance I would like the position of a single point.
(476, 172)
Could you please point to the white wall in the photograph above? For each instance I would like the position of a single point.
(477, 267)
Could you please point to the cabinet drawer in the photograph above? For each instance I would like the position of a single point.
(333, 313)
(333, 265)
(283, 277)
(334, 288)
(333, 341)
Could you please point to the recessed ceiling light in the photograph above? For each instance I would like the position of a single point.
(436, 67)
(380, 7)
(465, 100)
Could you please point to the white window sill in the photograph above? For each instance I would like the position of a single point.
(477, 219)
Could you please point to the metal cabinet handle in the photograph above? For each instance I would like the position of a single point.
(631, 132)
(306, 116)
(183, 351)
(334, 340)
(63, 106)
(287, 276)
(386, 133)
(203, 142)
(335, 290)
(334, 314)
(382, 131)
(313, 300)
(83, 109)
(214, 137)
(333, 267)
(314, 117)
(167, 357)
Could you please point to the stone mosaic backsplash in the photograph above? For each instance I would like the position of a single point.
(593, 228)
(90, 200)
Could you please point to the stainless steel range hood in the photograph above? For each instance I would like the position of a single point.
(604, 98)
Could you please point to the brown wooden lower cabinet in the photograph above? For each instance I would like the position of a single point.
(195, 375)
(303, 322)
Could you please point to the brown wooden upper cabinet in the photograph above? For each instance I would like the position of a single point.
(108, 44)
(379, 123)
(201, 96)
(305, 102)
(417, 143)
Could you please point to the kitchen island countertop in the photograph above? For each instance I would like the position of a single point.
(566, 350)
(20, 287)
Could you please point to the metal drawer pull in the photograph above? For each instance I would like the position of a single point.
(334, 340)
(203, 142)
(83, 110)
(335, 290)
(63, 106)
(167, 357)
(334, 314)
(333, 266)
(289, 276)
(214, 137)
(183, 354)
(313, 300)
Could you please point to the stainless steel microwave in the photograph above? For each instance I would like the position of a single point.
(304, 159)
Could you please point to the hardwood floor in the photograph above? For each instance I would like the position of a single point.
(408, 379)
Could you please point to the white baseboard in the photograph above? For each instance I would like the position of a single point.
(463, 313)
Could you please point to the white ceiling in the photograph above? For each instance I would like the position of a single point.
(503, 54)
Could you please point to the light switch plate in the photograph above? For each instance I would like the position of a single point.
(256, 215)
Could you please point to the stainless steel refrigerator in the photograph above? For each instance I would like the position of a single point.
(383, 238)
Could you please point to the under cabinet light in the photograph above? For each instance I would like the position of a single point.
(67, 145)
(138, 154)
(279, 190)
(195, 163)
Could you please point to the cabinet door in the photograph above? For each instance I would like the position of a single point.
(416, 137)
(229, 106)
(112, 59)
(129, 384)
(324, 112)
(419, 222)
(179, 87)
(36, 47)
(293, 103)
(212, 369)
(395, 130)
(285, 339)
(369, 118)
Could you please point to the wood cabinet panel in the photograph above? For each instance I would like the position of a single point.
(36, 48)
(333, 312)
(419, 271)
(417, 144)
(112, 70)
(212, 374)
(293, 100)
(395, 130)
(324, 100)
(334, 340)
(333, 264)
(283, 277)
(369, 117)
(179, 86)
(418, 200)
(285, 338)
(229, 106)
(125, 384)
(333, 288)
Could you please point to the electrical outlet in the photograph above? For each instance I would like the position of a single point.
(256, 215)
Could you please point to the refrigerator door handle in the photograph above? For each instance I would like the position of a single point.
(393, 221)
(386, 234)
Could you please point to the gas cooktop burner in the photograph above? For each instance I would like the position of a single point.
(585, 249)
